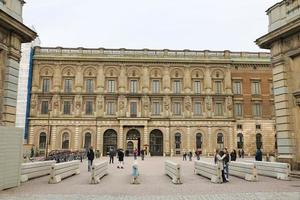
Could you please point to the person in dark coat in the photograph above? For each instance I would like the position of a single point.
(243, 153)
(142, 154)
(91, 156)
(190, 156)
(226, 163)
(111, 156)
(233, 155)
(121, 159)
(258, 155)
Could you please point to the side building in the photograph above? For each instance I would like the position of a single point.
(164, 101)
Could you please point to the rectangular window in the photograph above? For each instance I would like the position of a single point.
(239, 126)
(219, 109)
(111, 108)
(271, 88)
(68, 85)
(89, 107)
(258, 127)
(177, 108)
(256, 110)
(67, 107)
(133, 86)
(255, 88)
(111, 86)
(218, 87)
(197, 108)
(238, 110)
(46, 85)
(237, 87)
(45, 107)
(89, 85)
(133, 109)
(197, 87)
(156, 108)
(176, 86)
(155, 86)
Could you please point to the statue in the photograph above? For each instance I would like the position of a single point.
(229, 103)
(208, 102)
(188, 103)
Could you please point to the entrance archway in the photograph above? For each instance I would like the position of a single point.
(133, 136)
(109, 141)
(156, 143)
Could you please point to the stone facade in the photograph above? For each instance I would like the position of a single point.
(284, 41)
(165, 101)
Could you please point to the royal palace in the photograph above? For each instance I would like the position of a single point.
(164, 101)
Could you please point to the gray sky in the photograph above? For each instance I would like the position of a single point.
(153, 24)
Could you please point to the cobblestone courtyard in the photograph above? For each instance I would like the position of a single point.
(154, 185)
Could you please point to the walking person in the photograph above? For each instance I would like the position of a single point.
(226, 163)
(198, 154)
(184, 156)
(233, 155)
(190, 156)
(240, 154)
(243, 153)
(91, 156)
(142, 154)
(135, 153)
(111, 156)
(120, 159)
(258, 155)
(219, 160)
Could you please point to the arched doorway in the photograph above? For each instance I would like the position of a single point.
(87, 140)
(198, 141)
(42, 141)
(109, 141)
(133, 137)
(177, 143)
(240, 141)
(65, 141)
(220, 141)
(156, 143)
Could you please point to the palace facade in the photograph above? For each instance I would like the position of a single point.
(164, 101)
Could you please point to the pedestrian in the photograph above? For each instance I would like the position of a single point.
(197, 153)
(226, 163)
(190, 156)
(135, 153)
(219, 156)
(111, 156)
(240, 154)
(184, 156)
(233, 155)
(243, 153)
(142, 154)
(258, 155)
(121, 159)
(91, 156)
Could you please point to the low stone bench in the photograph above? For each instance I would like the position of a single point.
(135, 173)
(63, 170)
(208, 170)
(173, 171)
(277, 170)
(98, 171)
(35, 169)
(243, 170)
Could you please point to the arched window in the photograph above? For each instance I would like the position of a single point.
(199, 141)
(87, 140)
(220, 140)
(240, 141)
(65, 141)
(259, 143)
(42, 141)
(177, 140)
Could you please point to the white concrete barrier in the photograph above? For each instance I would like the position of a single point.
(63, 170)
(98, 171)
(208, 170)
(277, 170)
(35, 169)
(243, 170)
(173, 170)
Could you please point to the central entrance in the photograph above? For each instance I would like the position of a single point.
(156, 143)
(133, 141)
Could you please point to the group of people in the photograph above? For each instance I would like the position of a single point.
(222, 158)
(198, 152)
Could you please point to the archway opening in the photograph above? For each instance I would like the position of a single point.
(133, 135)
(65, 141)
(177, 143)
(87, 140)
(156, 143)
(109, 141)
(259, 143)
(199, 141)
(220, 141)
(240, 141)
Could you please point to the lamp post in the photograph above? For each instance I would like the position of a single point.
(48, 142)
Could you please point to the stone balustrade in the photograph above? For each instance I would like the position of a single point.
(173, 171)
(208, 170)
(243, 170)
(98, 171)
(35, 169)
(63, 170)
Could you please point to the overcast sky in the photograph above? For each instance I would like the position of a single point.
(153, 24)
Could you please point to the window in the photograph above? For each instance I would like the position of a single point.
(111, 86)
(238, 110)
(177, 140)
(89, 85)
(218, 87)
(65, 141)
(197, 87)
(87, 140)
(258, 127)
(199, 141)
(68, 85)
(256, 110)
(220, 140)
(133, 86)
(45, 108)
(197, 108)
(240, 141)
(239, 126)
(155, 86)
(46, 85)
(271, 88)
(259, 141)
(67, 107)
(42, 141)
(133, 109)
(89, 107)
(237, 87)
(111, 108)
(177, 108)
(155, 108)
(255, 87)
(219, 109)
(176, 86)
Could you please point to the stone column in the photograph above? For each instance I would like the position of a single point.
(99, 142)
(100, 79)
(121, 137)
(76, 138)
(187, 80)
(53, 137)
(166, 80)
(230, 138)
(167, 106)
(207, 81)
(189, 138)
(146, 138)
(57, 79)
(146, 80)
(210, 145)
(36, 78)
(228, 81)
(167, 141)
(31, 134)
(122, 80)
(100, 106)
(78, 79)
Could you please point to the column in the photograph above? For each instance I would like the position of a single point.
(76, 138)
(53, 137)
(146, 80)
(187, 79)
(31, 135)
(146, 138)
(207, 81)
(122, 80)
(230, 138)
(189, 138)
(35, 78)
(100, 79)
(167, 140)
(57, 79)
(228, 81)
(210, 145)
(99, 142)
(166, 79)
(120, 137)
(78, 79)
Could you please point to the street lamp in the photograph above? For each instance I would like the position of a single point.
(48, 142)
